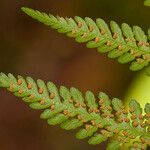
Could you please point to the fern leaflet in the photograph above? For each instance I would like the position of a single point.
(126, 44)
(99, 119)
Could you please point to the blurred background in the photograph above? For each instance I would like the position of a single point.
(29, 48)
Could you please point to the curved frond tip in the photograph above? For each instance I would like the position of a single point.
(126, 44)
(98, 117)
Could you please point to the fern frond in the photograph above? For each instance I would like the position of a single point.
(126, 44)
(98, 118)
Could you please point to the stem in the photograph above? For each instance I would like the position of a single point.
(139, 89)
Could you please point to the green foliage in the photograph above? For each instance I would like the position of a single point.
(126, 44)
(147, 2)
(98, 118)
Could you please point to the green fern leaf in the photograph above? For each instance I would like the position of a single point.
(114, 145)
(99, 118)
(126, 44)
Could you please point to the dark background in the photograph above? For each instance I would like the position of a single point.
(29, 48)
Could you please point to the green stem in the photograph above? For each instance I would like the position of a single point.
(139, 89)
